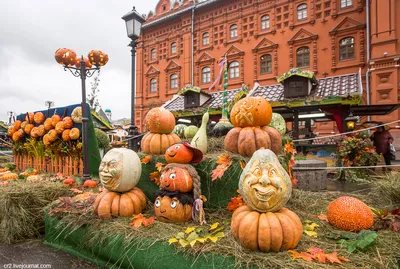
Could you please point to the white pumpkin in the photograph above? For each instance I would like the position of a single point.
(120, 170)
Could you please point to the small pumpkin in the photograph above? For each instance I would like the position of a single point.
(176, 177)
(251, 112)
(74, 133)
(68, 123)
(5, 169)
(76, 114)
(158, 143)
(173, 207)
(86, 60)
(38, 117)
(264, 184)
(9, 176)
(52, 135)
(65, 135)
(29, 117)
(97, 57)
(90, 184)
(69, 181)
(11, 131)
(159, 120)
(34, 132)
(267, 232)
(17, 125)
(41, 130)
(59, 56)
(28, 128)
(23, 124)
(55, 119)
(46, 140)
(179, 153)
(110, 204)
(60, 127)
(48, 125)
(16, 137)
(349, 214)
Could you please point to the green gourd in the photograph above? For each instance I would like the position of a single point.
(200, 139)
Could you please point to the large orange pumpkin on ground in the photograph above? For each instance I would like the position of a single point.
(158, 143)
(38, 117)
(113, 204)
(176, 178)
(251, 112)
(268, 232)
(349, 214)
(160, 121)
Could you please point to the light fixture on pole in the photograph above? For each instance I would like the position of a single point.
(133, 22)
(83, 69)
(351, 121)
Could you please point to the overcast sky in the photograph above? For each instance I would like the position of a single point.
(32, 30)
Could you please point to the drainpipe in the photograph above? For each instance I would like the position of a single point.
(192, 73)
(368, 57)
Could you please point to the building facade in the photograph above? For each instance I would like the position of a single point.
(182, 41)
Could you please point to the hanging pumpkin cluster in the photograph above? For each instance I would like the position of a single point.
(263, 223)
(120, 172)
(251, 117)
(97, 57)
(65, 56)
(179, 198)
(160, 122)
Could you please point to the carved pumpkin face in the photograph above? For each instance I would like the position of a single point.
(264, 183)
(171, 210)
(178, 153)
(176, 179)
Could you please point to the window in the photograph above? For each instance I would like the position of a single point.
(174, 81)
(346, 3)
(173, 48)
(266, 64)
(303, 57)
(153, 54)
(347, 48)
(206, 75)
(153, 85)
(302, 12)
(265, 22)
(206, 39)
(234, 70)
(234, 31)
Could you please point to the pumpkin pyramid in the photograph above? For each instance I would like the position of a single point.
(160, 122)
(263, 223)
(120, 172)
(251, 117)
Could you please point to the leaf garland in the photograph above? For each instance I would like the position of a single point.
(319, 255)
(223, 161)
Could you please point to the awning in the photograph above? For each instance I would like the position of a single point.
(374, 110)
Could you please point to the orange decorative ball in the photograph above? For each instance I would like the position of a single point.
(350, 214)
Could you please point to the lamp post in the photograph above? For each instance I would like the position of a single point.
(351, 121)
(83, 69)
(133, 22)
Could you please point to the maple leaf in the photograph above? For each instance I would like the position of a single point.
(155, 176)
(314, 250)
(145, 160)
(139, 219)
(303, 255)
(242, 164)
(160, 166)
(224, 159)
(218, 172)
(333, 258)
(235, 203)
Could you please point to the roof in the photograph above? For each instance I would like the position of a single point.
(101, 121)
(107, 110)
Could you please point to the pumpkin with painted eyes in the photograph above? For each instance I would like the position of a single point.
(178, 153)
(120, 170)
(264, 184)
(176, 178)
(173, 207)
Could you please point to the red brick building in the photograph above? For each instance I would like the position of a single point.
(182, 41)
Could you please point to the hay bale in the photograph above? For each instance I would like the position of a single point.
(389, 187)
(21, 208)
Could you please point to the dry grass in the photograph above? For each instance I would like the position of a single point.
(389, 187)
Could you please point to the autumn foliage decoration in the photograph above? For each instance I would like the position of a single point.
(319, 255)
(289, 151)
(223, 163)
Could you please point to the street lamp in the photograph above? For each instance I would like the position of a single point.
(133, 22)
(351, 121)
(83, 69)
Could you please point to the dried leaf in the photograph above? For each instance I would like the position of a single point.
(155, 176)
(189, 230)
(192, 236)
(333, 258)
(224, 159)
(218, 172)
(311, 233)
(303, 255)
(235, 203)
(146, 160)
(314, 250)
(309, 228)
(172, 240)
(183, 242)
(214, 226)
(160, 166)
(139, 220)
(180, 235)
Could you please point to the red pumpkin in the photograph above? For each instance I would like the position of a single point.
(41, 130)
(69, 181)
(160, 121)
(178, 153)
(90, 184)
(176, 178)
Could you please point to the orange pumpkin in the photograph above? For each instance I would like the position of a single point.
(60, 127)
(68, 122)
(29, 117)
(41, 130)
(176, 178)
(65, 135)
(17, 125)
(34, 132)
(267, 232)
(11, 131)
(38, 117)
(160, 121)
(86, 60)
(52, 135)
(178, 153)
(59, 55)
(28, 128)
(158, 143)
(9, 176)
(55, 119)
(48, 124)
(90, 184)
(46, 140)
(16, 137)
(74, 133)
(251, 112)
(349, 214)
(110, 204)
(173, 207)
(97, 57)
(23, 124)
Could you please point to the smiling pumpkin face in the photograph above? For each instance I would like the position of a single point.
(171, 210)
(176, 179)
(178, 153)
(264, 184)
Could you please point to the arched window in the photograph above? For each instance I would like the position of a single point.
(234, 70)
(346, 3)
(206, 75)
(303, 57)
(234, 31)
(153, 85)
(347, 48)
(266, 64)
(302, 12)
(153, 54)
(173, 48)
(206, 39)
(174, 81)
(265, 22)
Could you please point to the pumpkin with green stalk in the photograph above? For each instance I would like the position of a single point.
(200, 139)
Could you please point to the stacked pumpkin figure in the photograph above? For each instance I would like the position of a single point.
(180, 199)
(119, 172)
(263, 223)
(251, 117)
(160, 122)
